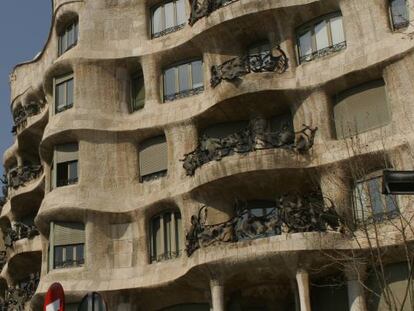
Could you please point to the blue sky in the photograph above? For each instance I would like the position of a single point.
(24, 27)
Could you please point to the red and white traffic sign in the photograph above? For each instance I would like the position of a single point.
(55, 298)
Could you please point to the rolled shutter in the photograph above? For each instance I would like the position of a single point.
(67, 153)
(153, 156)
(361, 109)
(222, 130)
(69, 233)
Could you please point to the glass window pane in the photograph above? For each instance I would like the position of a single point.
(73, 172)
(337, 30)
(178, 231)
(157, 20)
(197, 72)
(62, 174)
(60, 96)
(69, 255)
(181, 15)
(71, 35)
(137, 92)
(75, 32)
(305, 43)
(169, 15)
(80, 253)
(399, 13)
(183, 77)
(391, 203)
(321, 36)
(69, 92)
(60, 50)
(156, 248)
(64, 42)
(58, 256)
(375, 197)
(169, 82)
(167, 233)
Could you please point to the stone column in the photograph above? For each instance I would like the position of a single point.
(302, 279)
(355, 274)
(217, 295)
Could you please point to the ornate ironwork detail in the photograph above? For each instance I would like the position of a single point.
(168, 31)
(240, 66)
(69, 263)
(254, 137)
(153, 176)
(4, 190)
(291, 214)
(17, 296)
(3, 259)
(182, 94)
(21, 175)
(203, 8)
(18, 232)
(22, 113)
(323, 52)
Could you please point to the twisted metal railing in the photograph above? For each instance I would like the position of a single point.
(203, 8)
(19, 231)
(290, 214)
(252, 138)
(237, 67)
(21, 175)
(22, 113)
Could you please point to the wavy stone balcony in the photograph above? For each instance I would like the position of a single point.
(18, 232)
(22, 114)
(21, 177)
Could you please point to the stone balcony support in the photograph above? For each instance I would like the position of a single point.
(302, 279)
(355, 275)
(217, 295)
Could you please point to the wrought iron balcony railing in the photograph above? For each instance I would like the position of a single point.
(168, 31)
(21, 175)
(67, 182)
(203, 8)
(271, 61)
(19, 231)
(247, 140)
(322, 52)
(21, 114)
(69, 263)
(291, 214)
(182, 94)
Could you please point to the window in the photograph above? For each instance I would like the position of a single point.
(67, 244)
(168, 17)
(153, 158)
(361, 109)
(183, 80)
(137, 92)
(399, 14)
(321, 37)
(369, 202)
(256, 213)
(68, 38)
(63, 93)
(166, 236)
(65, 165)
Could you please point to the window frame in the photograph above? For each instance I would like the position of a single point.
(176, 248)
(74, 24)
(310, 26)
(72, 263)
(165, 31)
(396, 26)
(184, 93)
(52, 247)
(359, 208)
(54, 169)
(63, 79)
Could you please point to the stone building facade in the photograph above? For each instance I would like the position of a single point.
(210, 155)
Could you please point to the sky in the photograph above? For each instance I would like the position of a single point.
(24, 28)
